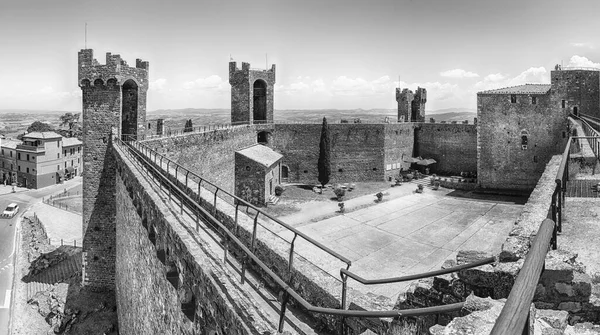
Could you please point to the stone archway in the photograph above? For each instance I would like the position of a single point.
(129, 110)
(259, 106)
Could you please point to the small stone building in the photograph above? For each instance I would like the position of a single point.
(257, 172)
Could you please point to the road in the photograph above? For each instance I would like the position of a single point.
(8, 228)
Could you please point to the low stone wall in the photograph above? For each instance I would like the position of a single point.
(203, 297)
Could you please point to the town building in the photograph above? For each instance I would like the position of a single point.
(257, 173)
(40, 159)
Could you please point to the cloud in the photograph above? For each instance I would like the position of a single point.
(302, 85)
(346, 86)
(580, 61)
(211, 83)
(533, 75)
(459, 73)
(158, 84)
(583, 45)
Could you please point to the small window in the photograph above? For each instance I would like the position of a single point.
(19, 167)
(535, 159)
(305, 171)
(340, 170)
(27, 170)
(534, 100)
(58, 155)
(247, 167)
(524, 142)
(58, 144)
(27, 157)
(564, 134)
(58, 168)
(18, 155)
(563, 104)
(65, 165)
(513, 98)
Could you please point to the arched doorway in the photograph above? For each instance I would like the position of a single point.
(285, 171)
(575, 111)
(259, 93)
(263, 137)
(129, 110)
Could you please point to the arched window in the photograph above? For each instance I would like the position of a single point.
(524, 139)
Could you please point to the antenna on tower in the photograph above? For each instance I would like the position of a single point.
(266, 62)
(398, 81)
(85, 44)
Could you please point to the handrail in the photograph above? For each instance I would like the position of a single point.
(284, 286)
(563, 163)
(361, 280)
(249, 205)
(515, 313)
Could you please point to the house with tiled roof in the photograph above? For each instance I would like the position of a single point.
(257, 173)
(40, 159)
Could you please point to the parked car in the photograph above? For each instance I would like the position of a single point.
(11, 210)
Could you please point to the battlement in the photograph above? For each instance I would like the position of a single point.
(114, 68)
(235, 72)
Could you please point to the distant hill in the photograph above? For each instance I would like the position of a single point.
(201, 116)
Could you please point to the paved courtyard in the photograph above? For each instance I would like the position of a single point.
(411, 234)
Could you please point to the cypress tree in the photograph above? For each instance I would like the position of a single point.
(324, 165)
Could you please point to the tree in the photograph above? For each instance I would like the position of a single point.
(39, 126)
(188, 126)
(72, 121)
(324, 161)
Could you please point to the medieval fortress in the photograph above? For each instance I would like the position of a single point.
(131, 245)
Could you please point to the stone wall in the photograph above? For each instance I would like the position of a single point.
(579, 88)
(210, 154)
(453, 146)
(398, 144)
(242, 88)
(168, 280)
(102, 108)
(357, 151)
(502, 161)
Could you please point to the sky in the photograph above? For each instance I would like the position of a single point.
(330, 54)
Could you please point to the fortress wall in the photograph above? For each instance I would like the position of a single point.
(210, 154)
(357, 151)
(147, 303)
(398, 143)
(453, 146)
(580, 88)
(502, 163)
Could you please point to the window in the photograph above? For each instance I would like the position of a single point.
(563, 104)
(533, 100)
(19, 155)
(2, 152)
(564, 134)
(58, 168)
(58, 144)
(524, 142)
(535, 159)
(65, 152)
(27, 157)
(32, 158)
(11, 154)
(513, 98)
(65, 165)
(19, 167)
(27, 170)
(58, 155)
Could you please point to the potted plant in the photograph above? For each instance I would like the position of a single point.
(436, 184)
(279, 190)
(339, 192)
(432, 180)
(379, 196)
(419, 188)
(341, 206)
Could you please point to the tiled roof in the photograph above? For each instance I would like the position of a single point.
(70, 141)
(261, 154)
(42, 135)
(521, 89)
(10, 144)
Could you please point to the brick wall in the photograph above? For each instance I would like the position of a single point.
(357, 151)
(453, 146)
(501, 161)
(580, 88)
(210, 154)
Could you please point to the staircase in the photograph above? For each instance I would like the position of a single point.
(273, 200)
(57, 273)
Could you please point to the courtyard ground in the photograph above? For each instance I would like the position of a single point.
(407, 233)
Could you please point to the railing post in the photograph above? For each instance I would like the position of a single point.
(291, 259)
(186, 178)
(199, 188)
(215, 203)
(284, 300)
(237, 226)
(344, 290)
(176, 168)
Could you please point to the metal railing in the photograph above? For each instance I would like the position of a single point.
(152, 162)
(515, 315)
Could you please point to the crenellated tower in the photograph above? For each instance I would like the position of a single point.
(251, 94)
(411, 106)
(114, 104)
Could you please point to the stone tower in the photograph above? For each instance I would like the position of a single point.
(411, 106)
(418, 105)
(404, 98)
(251, 94)
(114, 104)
